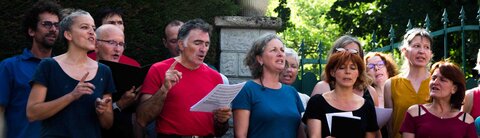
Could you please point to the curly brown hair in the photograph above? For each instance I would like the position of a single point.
(391, 66)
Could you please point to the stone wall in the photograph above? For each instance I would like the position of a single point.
(237, 34)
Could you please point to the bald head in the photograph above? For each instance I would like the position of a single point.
(110, 43)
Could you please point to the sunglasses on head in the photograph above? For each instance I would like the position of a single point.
(353, 51)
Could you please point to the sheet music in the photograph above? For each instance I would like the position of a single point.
(342, 114)
(221, 96)
(383, 115)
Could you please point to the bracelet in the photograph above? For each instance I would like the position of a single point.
(115, 107)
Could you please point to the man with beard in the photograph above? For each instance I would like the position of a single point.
(41, 28)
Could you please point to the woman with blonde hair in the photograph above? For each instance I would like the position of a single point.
(411, 85)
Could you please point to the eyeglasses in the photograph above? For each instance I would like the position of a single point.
(353, 51)
(49, 24)
(379, 65)
(113, 43)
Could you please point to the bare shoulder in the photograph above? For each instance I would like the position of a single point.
(388, 83)
(469, 92)
(320, 87)
(413, 110)
(322, 84)
(371, 89)
(468, 118)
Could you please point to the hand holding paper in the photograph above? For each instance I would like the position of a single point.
(223, 114)
(221, 96)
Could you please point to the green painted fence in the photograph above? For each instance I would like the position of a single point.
(307, 81)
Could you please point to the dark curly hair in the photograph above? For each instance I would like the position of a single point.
(32, 16)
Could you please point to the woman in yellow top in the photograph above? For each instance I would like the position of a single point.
(411, 85)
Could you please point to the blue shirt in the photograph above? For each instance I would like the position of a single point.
(274, 113)
(15, 73)
(79, 118)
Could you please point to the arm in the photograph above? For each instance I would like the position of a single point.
(370, 134)
(468, 102)
(2, 121)
(38, 109)
(408, 135)
(127, 98)
(220, 121)
(320, 87)
(104, 111)
(301, 131)
(314, 128)
(374, 95)
(151, 105)
(240, 123)
(388, 104)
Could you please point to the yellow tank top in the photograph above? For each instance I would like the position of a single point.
(403, 96)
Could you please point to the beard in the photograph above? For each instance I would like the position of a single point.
(46, 43)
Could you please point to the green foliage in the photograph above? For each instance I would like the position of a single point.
(284, 14)
(144, 22)
(310, 24)
(361, 18)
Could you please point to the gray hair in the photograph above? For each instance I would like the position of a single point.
(257, 49)
(291, 53)
(184, 31)
(67, 22)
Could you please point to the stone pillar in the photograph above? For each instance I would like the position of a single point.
(237, 34)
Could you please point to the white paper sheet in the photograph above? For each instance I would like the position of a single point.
(342, 114)
(383, 115)
(221, 96)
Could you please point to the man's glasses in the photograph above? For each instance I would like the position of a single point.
(353, 51)
(113, 43)
(380, 64)
(49, 24)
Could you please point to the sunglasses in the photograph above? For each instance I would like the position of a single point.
(353, 51)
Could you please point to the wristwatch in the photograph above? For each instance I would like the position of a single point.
(115, 107)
